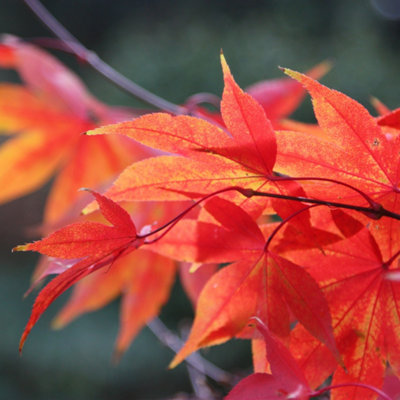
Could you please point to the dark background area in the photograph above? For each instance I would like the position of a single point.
(171, 48)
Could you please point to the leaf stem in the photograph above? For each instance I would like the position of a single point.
(170, 224)
(283, 222)
(386, 264)
(77, 48)
(358, 384)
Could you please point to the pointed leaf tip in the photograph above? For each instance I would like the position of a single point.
(92, 132)
(293, 74)
(21, 247)
(174, 363)
(225, 67)
(22, 342)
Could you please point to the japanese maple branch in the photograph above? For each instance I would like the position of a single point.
(198, 379)
(77, 48)
(372, 212)
(376, 211)
(199, 384)
(169, 339)
(371, 202)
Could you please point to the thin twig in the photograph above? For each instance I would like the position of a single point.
(283, 222)
(169, 339)
(193, 101)
(374, 213)
(199, 384)
(97, 63)
(352, 384)
(198, 379)
(279, 177)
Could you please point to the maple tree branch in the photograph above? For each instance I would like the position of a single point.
(169, 339)
(376, 211)
(371, 202)
(199, 384)
(197, 378)
(76, 47)
(372, 212)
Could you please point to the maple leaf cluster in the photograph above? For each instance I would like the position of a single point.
(283, 233)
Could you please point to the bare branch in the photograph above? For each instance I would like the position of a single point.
(77, 48)
(172, 341)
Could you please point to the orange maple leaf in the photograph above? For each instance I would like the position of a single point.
(46, 120)
(143, 279)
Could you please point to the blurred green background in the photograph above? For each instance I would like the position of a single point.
(172, 48)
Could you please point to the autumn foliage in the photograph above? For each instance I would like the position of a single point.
(284, 233)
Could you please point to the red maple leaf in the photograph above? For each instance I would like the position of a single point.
(359, 280)
(239, 291)
(95, 245)
(353, 149)
(285, 381)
